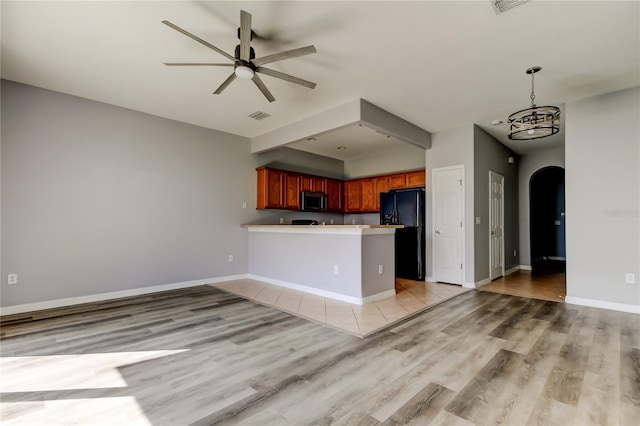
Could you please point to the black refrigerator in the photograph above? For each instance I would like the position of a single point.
(406, 207)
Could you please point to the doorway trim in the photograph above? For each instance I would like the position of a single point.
(501, 213)
(463, 252)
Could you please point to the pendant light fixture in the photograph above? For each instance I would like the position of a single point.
(534, 122)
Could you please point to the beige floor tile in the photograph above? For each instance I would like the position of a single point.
(289, 300)
(391, 309)
(252, 289)
(269, 294)
(313, 307)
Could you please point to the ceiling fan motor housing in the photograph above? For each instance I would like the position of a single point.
(252, 53)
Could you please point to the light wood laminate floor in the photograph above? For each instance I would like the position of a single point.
(360, 320)
(201, 356)
(549, 285)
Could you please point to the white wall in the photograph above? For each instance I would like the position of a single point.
(529, 164)
(450, 148)
(97, 198)
(603, 199)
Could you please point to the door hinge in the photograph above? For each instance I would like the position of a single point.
(460, 182)
(460, 224)
(461, 266)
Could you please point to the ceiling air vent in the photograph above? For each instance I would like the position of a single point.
(259, 115)
(501, 6)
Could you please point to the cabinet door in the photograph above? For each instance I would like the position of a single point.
(369, 195)
(270, 189)
(307, 183)
(334, 195)
(416, 179)
(398, 181)
(353, 196)
(320, 185)
(292, 191)
(382, 185)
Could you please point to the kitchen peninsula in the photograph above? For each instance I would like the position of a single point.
(352, 263)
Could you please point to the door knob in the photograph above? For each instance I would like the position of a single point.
(493, 232)
(437, 231)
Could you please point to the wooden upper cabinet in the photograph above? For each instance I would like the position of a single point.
(398, 181)
(352, 196)
(381, 185)
(369, 195)
(416, 179)
(279, 189)
(320, 185)
(307, 183)
(292, 191)
(334, 194)
(270, 188)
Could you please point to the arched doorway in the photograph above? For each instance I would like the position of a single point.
(547, 221)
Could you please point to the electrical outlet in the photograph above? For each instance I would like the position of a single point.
(244, 204)
(12, 279)
(336, 271)
(515, 253)
(331, 221)
(630, 278)
(282, 220)
(230, 258)
(353, 221)
(477, 221)
(380, 269)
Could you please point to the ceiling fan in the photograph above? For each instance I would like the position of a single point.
(245, 64)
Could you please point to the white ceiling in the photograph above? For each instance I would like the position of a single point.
(439, 65)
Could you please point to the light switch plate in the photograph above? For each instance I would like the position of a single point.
(477, 221)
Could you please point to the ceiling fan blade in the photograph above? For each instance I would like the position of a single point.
(267, 94)
(301, 51)
(199, 40)
(245, 36)
(225, 84)
(195, 64)
(287, 77)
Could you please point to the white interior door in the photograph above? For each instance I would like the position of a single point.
(496, 225)
(447, 224)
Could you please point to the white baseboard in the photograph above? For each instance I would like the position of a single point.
(467, 284)
(58, 303)
(430, 279)
(512, 270)
(324, 293)
(622, 307)
(483, 282)
(525, 267)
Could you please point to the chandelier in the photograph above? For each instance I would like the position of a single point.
(534, 122)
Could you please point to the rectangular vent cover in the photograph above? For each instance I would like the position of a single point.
(501, 6)
(259, 115)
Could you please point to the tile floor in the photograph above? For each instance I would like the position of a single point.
(360, 320)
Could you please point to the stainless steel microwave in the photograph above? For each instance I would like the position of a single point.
(312, 201)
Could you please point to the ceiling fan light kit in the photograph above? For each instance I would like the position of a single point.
(246, 65)
(534, 122)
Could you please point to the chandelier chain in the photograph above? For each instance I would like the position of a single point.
(533, 95)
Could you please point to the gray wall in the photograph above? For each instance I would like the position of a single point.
(273, 255)
(529, 164)
(300, 161)
(602, 149)
(402, 156)
(450, 148)
(97, 198)
(491, 155)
